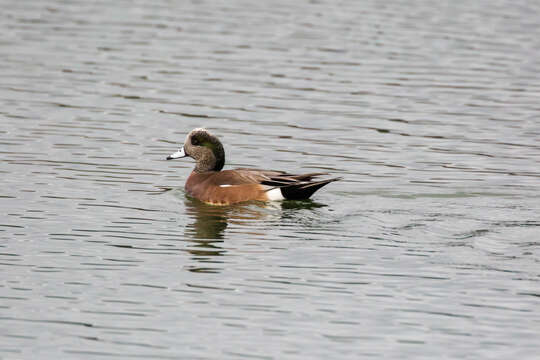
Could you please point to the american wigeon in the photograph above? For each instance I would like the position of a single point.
(208, 183)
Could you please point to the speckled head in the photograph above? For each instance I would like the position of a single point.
(205, 148)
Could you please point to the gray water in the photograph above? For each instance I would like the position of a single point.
(428, 249)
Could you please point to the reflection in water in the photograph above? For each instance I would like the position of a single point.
(211, 220)
(291, 205)
(208, 229)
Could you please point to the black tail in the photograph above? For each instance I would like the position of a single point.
(303, 190)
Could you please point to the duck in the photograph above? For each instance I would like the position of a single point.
(209, 183)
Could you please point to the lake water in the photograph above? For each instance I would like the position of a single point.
(429, 248)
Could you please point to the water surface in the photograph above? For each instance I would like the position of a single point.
(427, 249)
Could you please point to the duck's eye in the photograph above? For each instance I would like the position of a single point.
(194, 141)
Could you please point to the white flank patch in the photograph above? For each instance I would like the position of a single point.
(275, 194)
(225, 185)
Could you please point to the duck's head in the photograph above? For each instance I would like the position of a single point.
(205, 148)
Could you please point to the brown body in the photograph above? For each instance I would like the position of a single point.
(209, 187)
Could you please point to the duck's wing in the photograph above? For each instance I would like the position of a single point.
(273, 177)
(291, 186)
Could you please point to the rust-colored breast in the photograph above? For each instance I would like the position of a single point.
(223, 188)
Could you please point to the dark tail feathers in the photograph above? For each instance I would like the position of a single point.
(303, 190)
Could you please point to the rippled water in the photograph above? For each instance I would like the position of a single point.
(429, 247)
